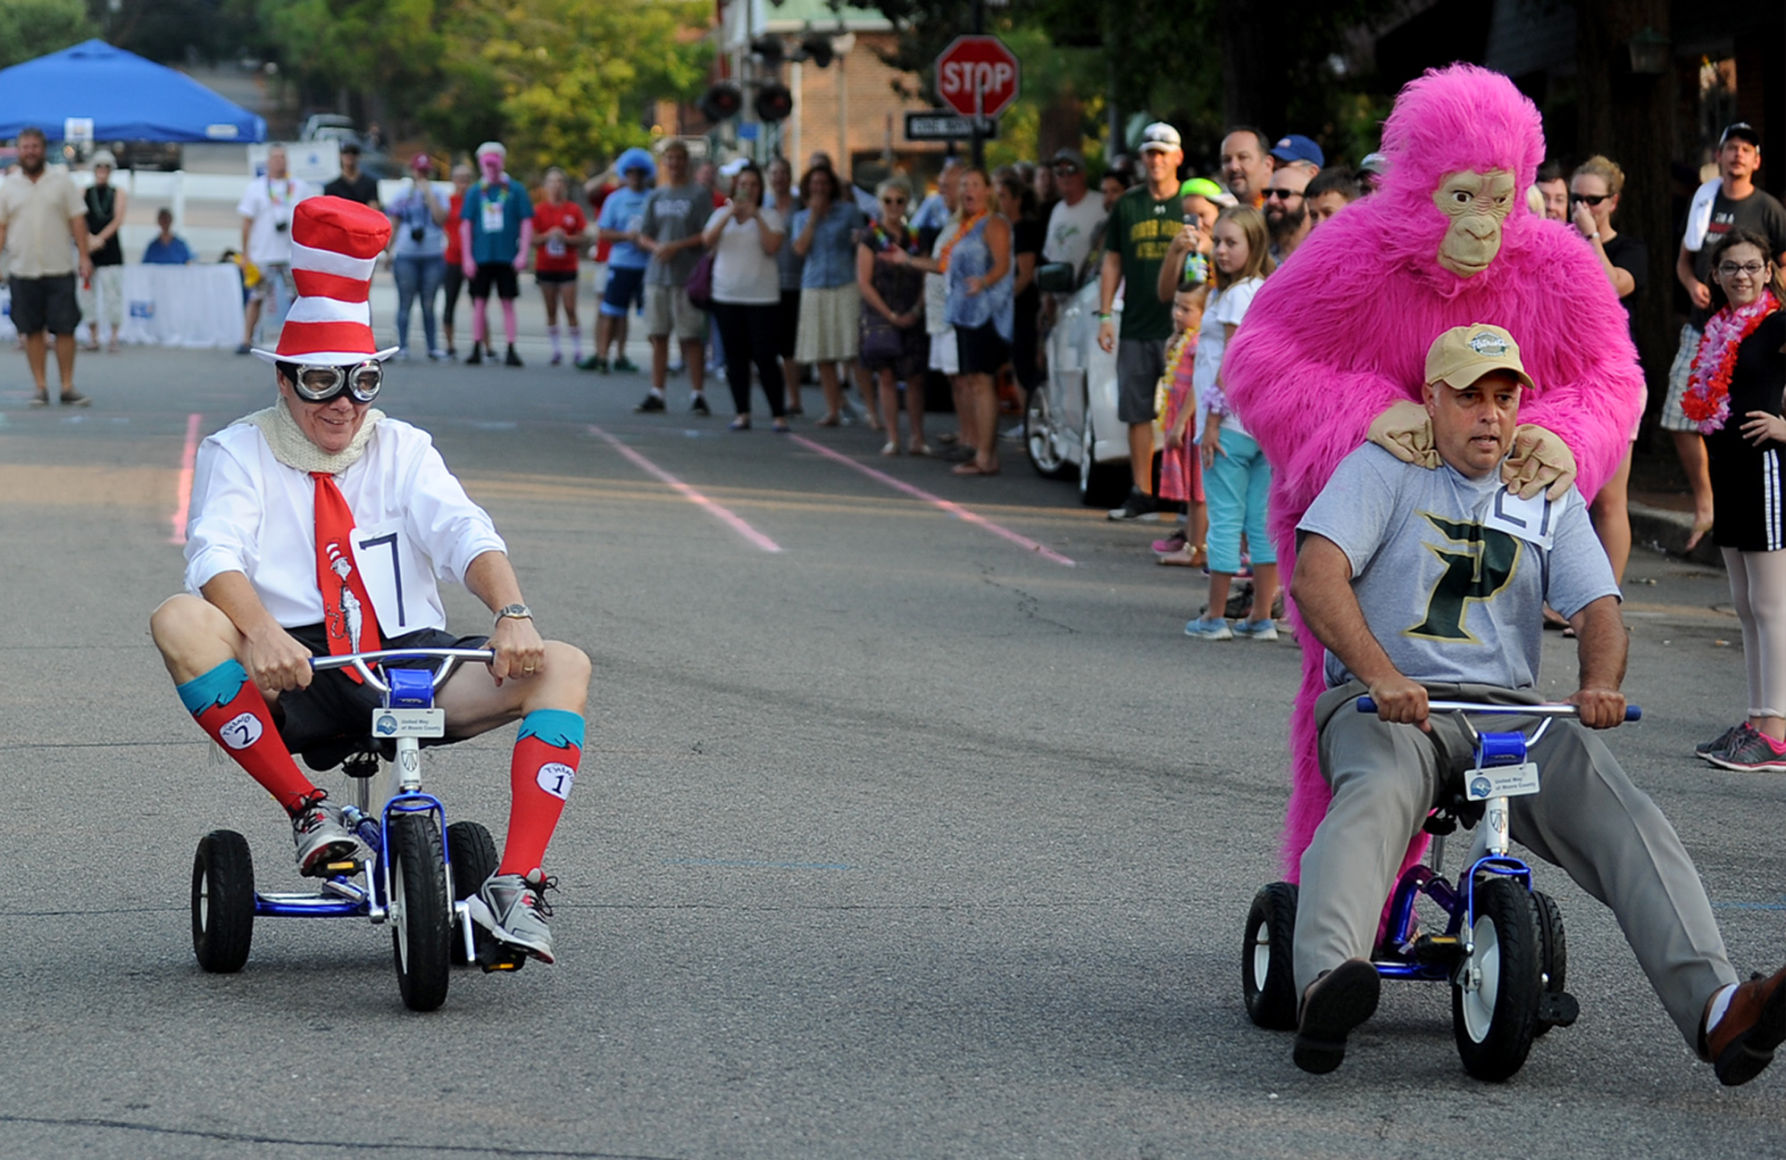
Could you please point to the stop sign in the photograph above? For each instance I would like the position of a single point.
(977, 74)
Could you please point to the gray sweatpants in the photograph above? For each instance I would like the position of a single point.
(1588, 819)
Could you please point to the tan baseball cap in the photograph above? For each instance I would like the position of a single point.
(1464, 354)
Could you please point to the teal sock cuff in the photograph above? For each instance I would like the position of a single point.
(217, 687)
(556, 727)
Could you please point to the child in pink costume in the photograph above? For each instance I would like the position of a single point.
(1339, 335)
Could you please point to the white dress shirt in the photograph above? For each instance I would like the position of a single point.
(414, 525)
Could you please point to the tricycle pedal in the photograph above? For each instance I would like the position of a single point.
(1436, 948)
(496, 956)
(1558, 1009)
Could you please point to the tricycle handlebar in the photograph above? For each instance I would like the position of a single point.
(449, 658)
(1632, 712)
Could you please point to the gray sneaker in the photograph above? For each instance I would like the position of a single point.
(322, 837)
(514, 911)
(1754, 752)
(1724, 741)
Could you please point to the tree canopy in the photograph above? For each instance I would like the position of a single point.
(559, 81)
(32, 28)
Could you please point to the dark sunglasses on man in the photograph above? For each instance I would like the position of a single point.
(1593, 200)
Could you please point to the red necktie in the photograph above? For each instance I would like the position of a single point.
(347, 611)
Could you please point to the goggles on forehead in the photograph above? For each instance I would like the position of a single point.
(324, 384)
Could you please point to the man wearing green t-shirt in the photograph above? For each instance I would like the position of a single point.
(1141, 228)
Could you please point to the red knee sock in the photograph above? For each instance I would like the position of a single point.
(227, 706)
(547, 750)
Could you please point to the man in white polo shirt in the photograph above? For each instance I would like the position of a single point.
(266, 208)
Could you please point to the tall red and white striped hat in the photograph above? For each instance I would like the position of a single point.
(335, 245)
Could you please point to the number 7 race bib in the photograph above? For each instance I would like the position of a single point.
(1532, 520)
(394, 575)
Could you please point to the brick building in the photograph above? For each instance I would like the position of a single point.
(850, 108)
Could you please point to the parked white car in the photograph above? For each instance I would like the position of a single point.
(1070, 428)
(328, 126)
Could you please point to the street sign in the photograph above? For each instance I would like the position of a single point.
(945, 125)
(977, 75)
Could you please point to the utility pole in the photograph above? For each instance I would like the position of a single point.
(977, 144)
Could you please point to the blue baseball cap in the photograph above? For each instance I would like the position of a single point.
(1296, 147)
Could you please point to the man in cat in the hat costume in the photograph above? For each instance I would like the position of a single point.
(280, 566)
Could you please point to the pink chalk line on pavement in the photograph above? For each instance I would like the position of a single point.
(718, 511)
(936, 501)
(183, 490)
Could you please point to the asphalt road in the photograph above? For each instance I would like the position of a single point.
(907, 838)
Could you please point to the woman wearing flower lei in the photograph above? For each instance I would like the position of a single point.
(1737, 396)
(894, 344)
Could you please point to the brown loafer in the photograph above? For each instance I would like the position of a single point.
(1742, 1044)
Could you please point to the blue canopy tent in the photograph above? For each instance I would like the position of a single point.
(127, 98)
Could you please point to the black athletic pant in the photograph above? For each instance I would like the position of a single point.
(748, 332)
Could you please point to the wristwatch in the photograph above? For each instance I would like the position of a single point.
(517, 611)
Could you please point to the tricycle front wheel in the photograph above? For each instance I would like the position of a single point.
(421, 919)
(1495, 995)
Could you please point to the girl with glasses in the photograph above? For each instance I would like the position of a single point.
(1734, 396)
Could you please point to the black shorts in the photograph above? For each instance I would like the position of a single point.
(40, 304)
(554, 277)
(625, 290)
(980, 350)
(500, 274)
(333, 717)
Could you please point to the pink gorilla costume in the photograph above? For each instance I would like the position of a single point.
(1341, 331)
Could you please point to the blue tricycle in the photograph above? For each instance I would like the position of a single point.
(418, 871)
(1502, 946)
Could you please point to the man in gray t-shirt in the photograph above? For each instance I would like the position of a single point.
(1446, 568)
(670, 231)
(1415, 575)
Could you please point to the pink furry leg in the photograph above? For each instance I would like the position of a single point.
(480, 321)
(1309, 791)
(508, 320)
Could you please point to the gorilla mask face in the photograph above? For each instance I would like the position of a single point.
(1476, 203)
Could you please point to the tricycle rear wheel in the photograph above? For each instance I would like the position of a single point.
(222, 901)
(473, 855)
(1553, 957)
(1267, 979)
